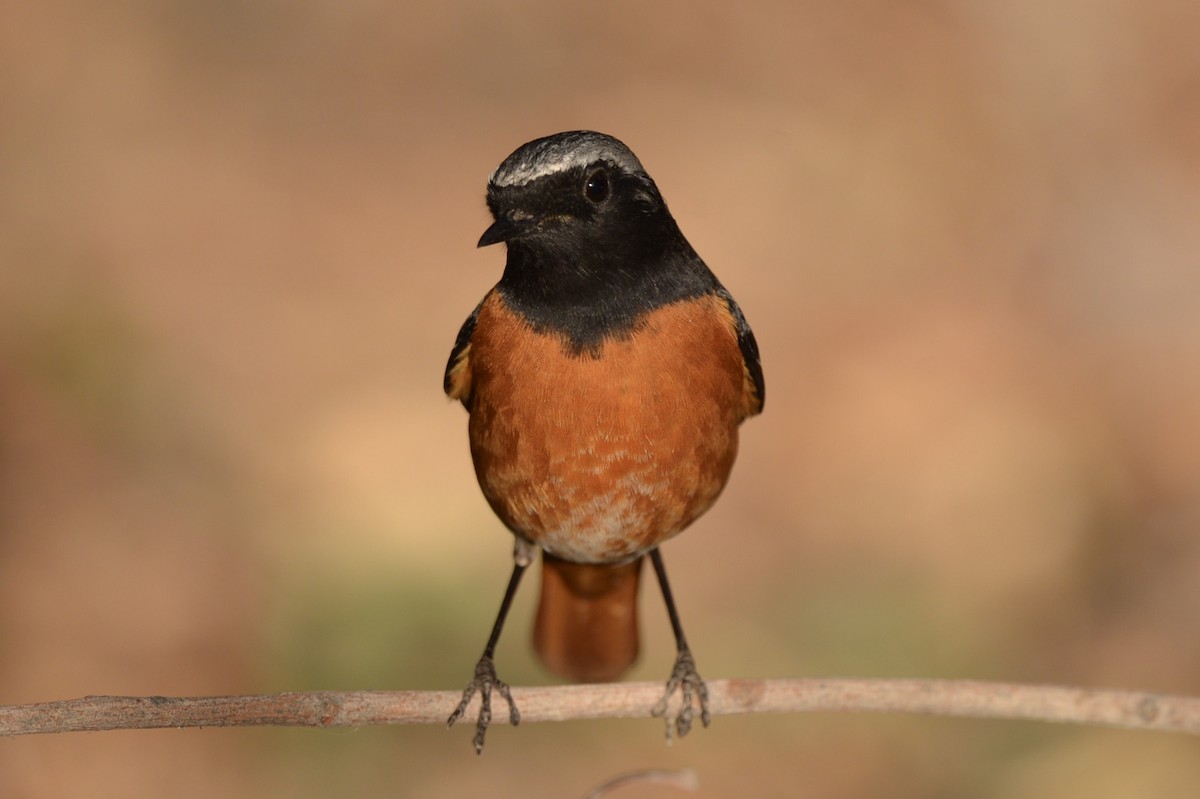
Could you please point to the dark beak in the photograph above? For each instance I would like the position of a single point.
(506, 229)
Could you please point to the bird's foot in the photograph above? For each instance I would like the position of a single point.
(485, 682)
(686, 680)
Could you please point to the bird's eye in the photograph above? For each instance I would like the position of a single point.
(596, 188)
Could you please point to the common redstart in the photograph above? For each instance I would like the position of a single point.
(605, 375)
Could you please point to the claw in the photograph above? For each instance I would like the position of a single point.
(485, 682)
(689, 683)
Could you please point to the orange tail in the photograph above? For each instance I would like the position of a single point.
(586, 628)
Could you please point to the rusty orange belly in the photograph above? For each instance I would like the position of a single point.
(598, 457)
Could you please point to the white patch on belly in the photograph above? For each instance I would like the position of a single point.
(606, 526)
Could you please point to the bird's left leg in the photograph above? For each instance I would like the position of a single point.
(684, 676)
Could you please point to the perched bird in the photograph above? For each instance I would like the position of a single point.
(605, 375)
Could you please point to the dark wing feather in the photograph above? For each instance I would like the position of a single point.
(457, 380)
(750, 358)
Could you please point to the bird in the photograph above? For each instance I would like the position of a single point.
(605, 375)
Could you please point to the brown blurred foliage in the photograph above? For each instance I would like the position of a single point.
(236, 241)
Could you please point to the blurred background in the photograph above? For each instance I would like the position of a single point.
(237, 241)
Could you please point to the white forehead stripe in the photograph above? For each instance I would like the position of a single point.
(559, 153)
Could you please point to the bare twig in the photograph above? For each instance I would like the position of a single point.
(684, 780)
(1132, 709)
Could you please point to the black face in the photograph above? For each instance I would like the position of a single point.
(598, 204)
(590, 249)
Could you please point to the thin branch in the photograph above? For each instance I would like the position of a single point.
(964, 698)
(683, 779)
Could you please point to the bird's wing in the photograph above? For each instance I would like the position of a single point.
(457, 381)
(754, 390)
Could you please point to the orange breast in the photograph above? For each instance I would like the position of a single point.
(598, 458)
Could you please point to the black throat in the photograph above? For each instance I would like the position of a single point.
(587, 294)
